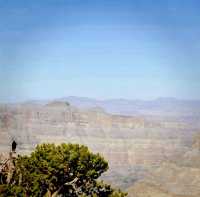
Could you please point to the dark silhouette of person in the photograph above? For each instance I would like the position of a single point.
(14, 146)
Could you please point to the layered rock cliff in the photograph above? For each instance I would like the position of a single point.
(131, 144)
(180, 178)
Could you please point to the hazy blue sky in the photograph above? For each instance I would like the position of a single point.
(104, 49)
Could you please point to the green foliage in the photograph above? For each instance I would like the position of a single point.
(118, 193)
(64, 170)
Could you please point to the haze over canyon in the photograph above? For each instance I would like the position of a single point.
(151, 146)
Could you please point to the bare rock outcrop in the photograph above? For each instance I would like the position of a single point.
(143, 189)
(180, 178)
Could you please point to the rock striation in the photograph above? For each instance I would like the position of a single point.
(180, 178)
(131, 143)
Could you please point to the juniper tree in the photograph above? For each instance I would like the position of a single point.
(67, 170)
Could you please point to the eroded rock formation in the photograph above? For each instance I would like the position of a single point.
(131, 143)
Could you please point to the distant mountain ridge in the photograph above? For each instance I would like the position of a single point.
(188, 110)
(160, 106)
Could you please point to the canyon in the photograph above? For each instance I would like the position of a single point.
(144, 147)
